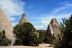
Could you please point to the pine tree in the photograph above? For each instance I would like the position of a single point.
(26, 34)
(67, 34)
(66, 41)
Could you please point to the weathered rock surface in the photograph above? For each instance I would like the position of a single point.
(53, 28)
(6, 26)
(23, 19)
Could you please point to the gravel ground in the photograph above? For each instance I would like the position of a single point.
(23, 47)
(40, 46)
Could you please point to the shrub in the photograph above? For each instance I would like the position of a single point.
(3, 40)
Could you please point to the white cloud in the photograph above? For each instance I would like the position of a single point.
(66, 6)
(39, 27)
(46, 19)
(12, 8)
(14, 23)
(12, 18)
(57, 14)
(57, 10)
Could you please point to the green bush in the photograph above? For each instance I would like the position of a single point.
(66, 39)
(3, 40)
(25, 34)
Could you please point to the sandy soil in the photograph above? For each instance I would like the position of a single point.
(40, 46)
(23, 47)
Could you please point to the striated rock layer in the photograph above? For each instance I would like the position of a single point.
(53, 28)
(6, 26)
(23, 19)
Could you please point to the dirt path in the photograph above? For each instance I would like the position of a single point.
(23, 47)
(40, 46)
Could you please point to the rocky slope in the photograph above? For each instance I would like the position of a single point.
(6, 26)
(23, 19)
(53, 28)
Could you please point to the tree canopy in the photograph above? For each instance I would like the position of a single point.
(66, 41)
(3, 40)
(25, 34)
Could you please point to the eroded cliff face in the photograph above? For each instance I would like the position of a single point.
(23, 19)
(6, 26)
(53, 27)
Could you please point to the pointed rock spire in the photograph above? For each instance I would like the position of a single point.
(23, 19)
(53, 27)
(6, 26)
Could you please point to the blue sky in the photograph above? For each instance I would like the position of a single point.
(38, 12)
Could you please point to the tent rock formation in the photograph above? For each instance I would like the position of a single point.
(23, 19)
(53, 28)
(6, 26)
